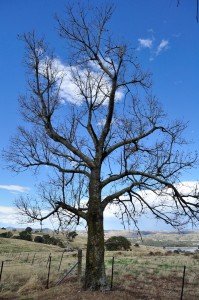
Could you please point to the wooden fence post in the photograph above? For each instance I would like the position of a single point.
(79, 269)
(183, 278)
(1, 270)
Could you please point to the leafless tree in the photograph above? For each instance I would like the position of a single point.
(103, 136)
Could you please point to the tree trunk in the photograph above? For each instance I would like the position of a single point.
(95, 276)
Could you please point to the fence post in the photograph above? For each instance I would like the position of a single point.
(47, 284)
(79, 269)
(27, 257)
(183, 278)
(1, 270)
(61, 260)
(112, 272)
(33, 259)
(49, 257)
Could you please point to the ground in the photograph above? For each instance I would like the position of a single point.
(145, 272)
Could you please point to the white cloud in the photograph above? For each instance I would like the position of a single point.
(176, 35)
(186, 188)
(8, 216)
(145, 43)
(101, 122)
(11, 217)
(154, 47)
(164, 45)
(15, 188)
(93, 83)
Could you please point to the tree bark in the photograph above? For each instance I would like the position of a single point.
(95, 275)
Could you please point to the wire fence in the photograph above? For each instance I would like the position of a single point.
(155, 280)
(165, 278)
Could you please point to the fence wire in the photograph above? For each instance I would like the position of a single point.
(160, 278)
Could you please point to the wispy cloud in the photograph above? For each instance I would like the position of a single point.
(164, 45)
(145, 43)
(15, 188)
(176, 35)
(155, 47)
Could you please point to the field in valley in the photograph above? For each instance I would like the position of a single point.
(145, 272)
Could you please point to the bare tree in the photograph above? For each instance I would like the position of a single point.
(102, 134)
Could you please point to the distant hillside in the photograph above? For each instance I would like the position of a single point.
(134, 234)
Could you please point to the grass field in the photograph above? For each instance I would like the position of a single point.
(146, 272)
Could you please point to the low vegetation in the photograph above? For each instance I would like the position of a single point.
(142, 273)
(29, 235)
(6, 234)
(51, 240)
(115, 243)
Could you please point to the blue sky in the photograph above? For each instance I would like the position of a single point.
(166, 39)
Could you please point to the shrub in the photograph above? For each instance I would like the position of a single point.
(71, 235)
(47, 239)
(28, 229)
(25, 235)
(195, 256)
(188, 254)
(60, 244)
(115, 243)
(7, 234)
(176, 251)
(39, 239)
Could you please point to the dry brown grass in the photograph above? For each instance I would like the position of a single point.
(134, 289)
(143, 273)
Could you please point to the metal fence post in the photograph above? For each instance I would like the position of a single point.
(183, 278)
(112, 272)
(49, 257)
(79, 269)
(47, 284)
(1, 270)
(33, 259)
(61, 260)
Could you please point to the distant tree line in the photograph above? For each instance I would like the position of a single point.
(45, 238)
(50, 240)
